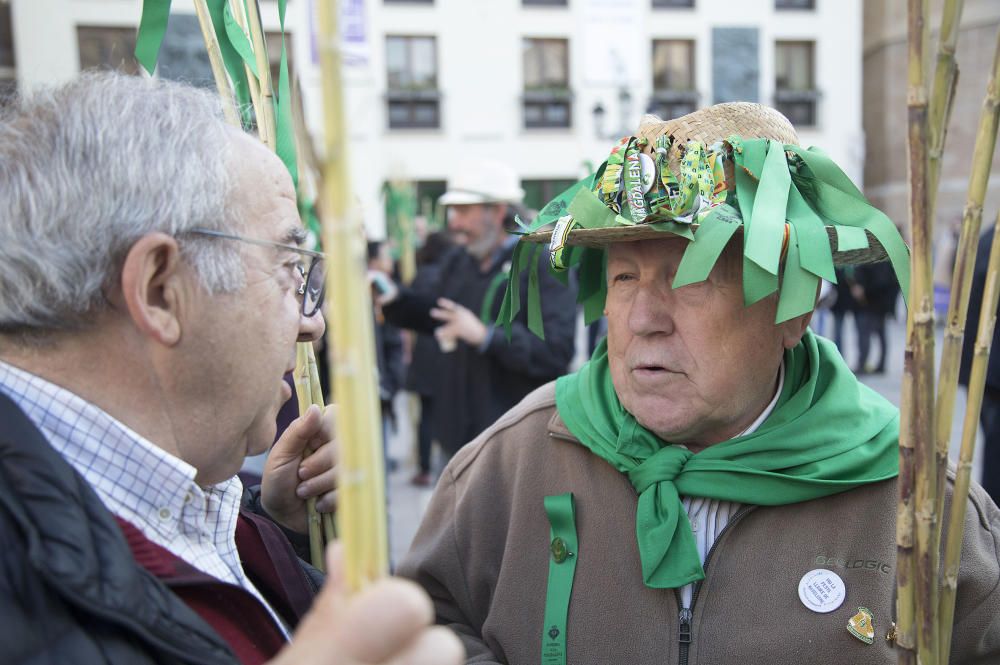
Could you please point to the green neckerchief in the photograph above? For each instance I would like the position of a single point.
(827, 434)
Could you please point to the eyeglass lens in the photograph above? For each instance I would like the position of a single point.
(314, 287)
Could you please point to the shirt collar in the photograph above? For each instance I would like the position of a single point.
(135, 479)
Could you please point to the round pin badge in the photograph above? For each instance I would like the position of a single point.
(822, 590)
(648, 172)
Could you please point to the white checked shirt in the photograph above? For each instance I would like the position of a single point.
(709, 517)
(138, 481)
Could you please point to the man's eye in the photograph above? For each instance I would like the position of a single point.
(623, 277)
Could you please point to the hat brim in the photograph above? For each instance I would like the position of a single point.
(602, 237)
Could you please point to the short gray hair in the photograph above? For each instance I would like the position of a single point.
(86, 170)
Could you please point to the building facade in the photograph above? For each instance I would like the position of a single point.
(546, 86)
(885, 66)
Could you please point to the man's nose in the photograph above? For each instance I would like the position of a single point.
(311, 328)
(650, 312)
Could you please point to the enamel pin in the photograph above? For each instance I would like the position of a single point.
(862, 625)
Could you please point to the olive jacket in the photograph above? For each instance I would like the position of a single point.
(483, 552)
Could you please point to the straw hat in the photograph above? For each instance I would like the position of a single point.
(710, 126)
(706, 176)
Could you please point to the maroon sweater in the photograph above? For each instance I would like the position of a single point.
(235, 614)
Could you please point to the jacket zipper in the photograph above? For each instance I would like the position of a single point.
(686, 613)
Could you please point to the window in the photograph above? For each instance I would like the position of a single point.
(547, 98)
(539, 192)
(544, 3)
(8, 72)
(795, 92)
(413, 97)
(795, 4)
(409, 2)
(674, 91)
(660, 4)
(104, 47)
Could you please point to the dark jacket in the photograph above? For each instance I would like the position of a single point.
(476, 387)
(972, 319)
(71, 590)
(880, 288)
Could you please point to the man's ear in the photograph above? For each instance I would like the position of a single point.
(151, 283)
(792, 330)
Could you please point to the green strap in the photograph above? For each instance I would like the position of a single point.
(563, 554)
(486, 311)
(152, 28)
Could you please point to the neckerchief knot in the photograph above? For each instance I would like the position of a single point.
(828, 433)
(663, 466)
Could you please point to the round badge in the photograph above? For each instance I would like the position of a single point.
(822, 590)
(648, 171)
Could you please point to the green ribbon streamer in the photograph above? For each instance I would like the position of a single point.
(232, 58)
(827, 434)
(815, 253)
(236, 38)
(284, 127)
(485, 312)
(593, 283)
(534, 299)
(562, 526)
(152, 28)
(701, 254)
(798, 293)
(764, 237)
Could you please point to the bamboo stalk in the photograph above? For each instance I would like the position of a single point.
(303, 391)
(963, 477)
(265, 112)
(982, 160)
(329, 528)
(215, 59)
(237, 9)
(942, 96)
(916, 580)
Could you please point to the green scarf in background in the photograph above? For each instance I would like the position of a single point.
(827, 434)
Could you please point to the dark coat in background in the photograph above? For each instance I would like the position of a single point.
(473, 387)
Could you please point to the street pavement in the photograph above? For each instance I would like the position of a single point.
(408, 503)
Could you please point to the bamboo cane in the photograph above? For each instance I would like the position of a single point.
(329, 528)
(963, 477)
(303, 390)
(265, 112)
(915, 580)
(942, 96)
(361, 506)
(986, 137)
(238, 10)
(958, 306)
(215, 60)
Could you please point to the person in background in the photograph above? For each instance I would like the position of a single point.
(989, 414)
(875, 292)
(388, 349)
(152, 291)
(425, 357)
(481, 373)
(714, 485)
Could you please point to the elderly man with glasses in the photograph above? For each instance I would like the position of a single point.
(152, 291)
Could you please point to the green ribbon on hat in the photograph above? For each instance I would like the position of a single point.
(785, 197)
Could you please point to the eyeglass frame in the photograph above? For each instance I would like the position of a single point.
(317, 259)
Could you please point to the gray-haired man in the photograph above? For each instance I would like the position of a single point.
(151, 294)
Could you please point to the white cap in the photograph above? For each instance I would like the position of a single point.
(483, 182)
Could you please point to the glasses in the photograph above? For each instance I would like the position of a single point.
(313, 285)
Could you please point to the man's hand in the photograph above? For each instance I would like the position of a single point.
(302, 464)
(458, 323)
(389, 622)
